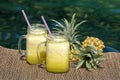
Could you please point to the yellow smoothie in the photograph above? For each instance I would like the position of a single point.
(57, 59)
(35, 52)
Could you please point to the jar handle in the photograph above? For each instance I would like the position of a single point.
(42, 65)
(19, 47)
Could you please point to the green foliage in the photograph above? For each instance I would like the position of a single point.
(103, 18)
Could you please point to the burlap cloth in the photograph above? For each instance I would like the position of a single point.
(12, 68)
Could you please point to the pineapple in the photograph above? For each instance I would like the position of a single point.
(99, 45)
(91, 54)
(69, 29)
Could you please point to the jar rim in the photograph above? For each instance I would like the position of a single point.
(57, 37)
(37, 29)
(37, 25)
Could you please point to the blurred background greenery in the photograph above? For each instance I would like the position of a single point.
(103, 18)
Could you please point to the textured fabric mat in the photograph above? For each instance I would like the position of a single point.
(11, 68)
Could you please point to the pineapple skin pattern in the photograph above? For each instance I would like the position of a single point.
(99, 45)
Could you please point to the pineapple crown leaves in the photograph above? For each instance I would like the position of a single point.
(69, 29)
(89, 57)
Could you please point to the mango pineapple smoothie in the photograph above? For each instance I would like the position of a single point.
(35, 52)
(57, 59)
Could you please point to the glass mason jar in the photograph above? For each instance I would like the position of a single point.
(57, 54)
(35, 53)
